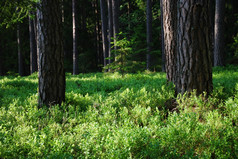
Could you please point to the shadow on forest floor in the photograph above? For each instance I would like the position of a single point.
(225, 83)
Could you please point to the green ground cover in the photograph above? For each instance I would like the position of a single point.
(107, 116)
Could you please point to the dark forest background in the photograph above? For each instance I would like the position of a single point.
(132, 26)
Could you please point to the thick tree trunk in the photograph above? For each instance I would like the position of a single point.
(33, 48)
(115, 13)
(148, 33)
(212, 26)
(170, 37)
(50, 51)
(194, 65)
(219, 33)
(162, 38)
(103, 7)
(20, 56)
(75, 39)
(110, 30)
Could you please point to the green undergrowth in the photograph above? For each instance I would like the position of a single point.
(107, 116)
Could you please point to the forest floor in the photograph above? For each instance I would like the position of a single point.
(107, 116)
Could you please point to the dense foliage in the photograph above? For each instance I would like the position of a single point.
(107, 116)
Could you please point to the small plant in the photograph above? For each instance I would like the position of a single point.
(123, 57)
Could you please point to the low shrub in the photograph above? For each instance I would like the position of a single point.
(107, 116)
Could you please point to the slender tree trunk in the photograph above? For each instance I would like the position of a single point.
(50, 51)
(36, 39)
(62, 10)
(33, 48)
(110, 30)
(103, 7)
(75, 39)
(97, 33)
(219, 33)
(1, 61)
(170, 37)
(129, 18)
(194, 63)
(162, 38)
(148, 33)
(115, 13)
(20, 56)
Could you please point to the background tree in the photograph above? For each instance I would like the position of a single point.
(50, 50)
(162, 37)
(97, 35)
(194, 63)
(148, 33)
(115, 17)
(219, 33)
(75, 38)
(1, 68)
(103, 6)
(110, 30)
(20, 55)
(33, 48)
(132, 20)
(170, 37)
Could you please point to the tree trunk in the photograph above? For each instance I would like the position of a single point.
(1, 61)
(97, 34)
(148, 33)
(20, 56)
(194, 65)
(212, 26)
(50, 51)
(75, 39)
(110, 30)
(33, 48)
(162, 38)
(219, 33)
(115, 13)
(170, 37)
(129, 19)
(103, 7)
(62, 11)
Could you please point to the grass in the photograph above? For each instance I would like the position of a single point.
(107, 116)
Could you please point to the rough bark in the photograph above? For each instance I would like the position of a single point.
(194, 65)
(20, 56)
(162, 38)
(148, 33)
(33, 48)
(115, 15)
(50, 51)
(212, 27)
(110, 30)
(75, 39)
(219, 33)
(170, 37)
(103, 7)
